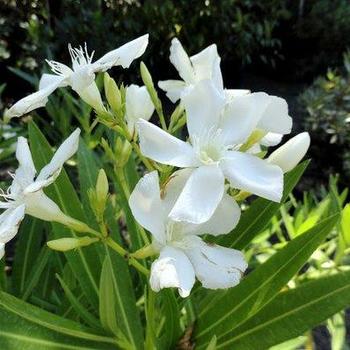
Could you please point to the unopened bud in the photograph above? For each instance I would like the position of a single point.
(123, 149)
(112, 93)
(66, 244)
(102, 187)
(145, 252)
(291, 153)
(147, 80)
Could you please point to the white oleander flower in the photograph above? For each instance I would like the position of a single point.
(183, 254)
(203, 66)
(138, 104)
(216, 133)
(26, 195)
(291, 153)
(81, 77)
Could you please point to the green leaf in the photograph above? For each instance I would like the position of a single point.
(127, 317)
(28, 244)
(259, 214)
(291, 314)
(345, 224)
(172, 316)
(44, 319)
(108, 312)
(78, 306)
(83, 262)
(260, 286)
(88, 171)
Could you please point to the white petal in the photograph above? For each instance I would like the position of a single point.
(36, 100)
(138, 105)
(275, 117)
(82, 78)
(232, 93)
(124, 55)
(291, 153)
(42, 207)
(26, 171)
(181, 61)
(174, 187)
(224, 219)
(217, 267)
(47, 80)
(206, 65)
(10, 220)
(252, 174)
(201, 195)
(172, 270)
(271, 139)
(164, 148)
(2, 250)
(146, 206)
(203, 105)
(91, 95)
(173, 88)
(241, 116)
(50, 171)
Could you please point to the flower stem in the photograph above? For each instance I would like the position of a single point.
(124, 253)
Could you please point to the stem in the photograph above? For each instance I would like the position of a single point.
(121, 176)
(124, 253)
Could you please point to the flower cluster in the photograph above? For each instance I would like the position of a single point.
(204, 177)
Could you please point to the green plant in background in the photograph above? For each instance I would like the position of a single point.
(326, 113)
(136, 190)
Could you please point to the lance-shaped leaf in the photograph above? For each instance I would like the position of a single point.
(115, 276)
(29, 327)
(260, 286)
(291, 314)
(83, 262)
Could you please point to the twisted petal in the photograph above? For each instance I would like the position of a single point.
(200, 196)
(146, 206)
(275, 117)
(138, 105)
(216, 267)
(164, 148)
(172, 269)
(36, 100)
(173, 88)
(26, 171)
(252, 174)
(10, 220)
(206, 65)
(203, 106)
(241, 116)
(49, 172)
(224, 219)
(124, 55)
(181, 61)
(48, 80)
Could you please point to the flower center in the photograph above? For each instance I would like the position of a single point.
(209, 146)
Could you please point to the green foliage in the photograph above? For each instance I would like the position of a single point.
(325, 107)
